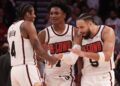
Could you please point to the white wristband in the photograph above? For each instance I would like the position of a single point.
(71, 58)
(76, 46)
(101, 57)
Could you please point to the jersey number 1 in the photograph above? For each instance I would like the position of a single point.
(13, 53)
(58, 64)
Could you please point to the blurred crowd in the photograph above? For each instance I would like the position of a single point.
(7, 16)
(104, 12)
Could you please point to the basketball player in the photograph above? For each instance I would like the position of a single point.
(23, 41)
(97, 52)
(59, 37)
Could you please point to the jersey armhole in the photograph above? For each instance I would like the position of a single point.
(73, 33)
(21, 33)
(102, 33)
(47, 35)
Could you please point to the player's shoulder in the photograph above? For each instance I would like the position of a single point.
(42, 35)
(74, 29)
(107, 33)
(45, 29)
(27, 23)
(11, 26)
(70, 26)
(107, 29)
(43, 32)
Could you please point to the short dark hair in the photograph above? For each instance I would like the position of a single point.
(22, 9)
(86, 17)
(62, 5)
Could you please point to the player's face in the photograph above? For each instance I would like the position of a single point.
(83, 28)
(32, 15)
(57, 15)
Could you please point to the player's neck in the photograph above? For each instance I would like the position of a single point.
(94, 31)
(59, 28)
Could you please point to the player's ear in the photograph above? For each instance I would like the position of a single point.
(64, 15)
(27, 14)
(90, 23)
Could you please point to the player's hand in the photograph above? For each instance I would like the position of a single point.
(77, 52)
(77, 37)
(44, 84)
(53, 60)
(77, 84)
(59, 56)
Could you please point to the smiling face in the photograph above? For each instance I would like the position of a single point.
(57, 15)
(83, 28)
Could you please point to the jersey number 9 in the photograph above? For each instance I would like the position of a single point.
(94, 63)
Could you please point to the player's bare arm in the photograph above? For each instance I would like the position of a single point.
(108, 38)
(28, 30)
(78, 40)
(41, 37)
(80, 66)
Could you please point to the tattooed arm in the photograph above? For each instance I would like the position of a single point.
(28, 30)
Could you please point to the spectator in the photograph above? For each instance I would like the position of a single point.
(75, 13)
(117, 68)
(116, 5)
(84, 9)
(5, 70)
(9, 11)
(47, 21)
(97, 19)
(79, 3)
(114, 21)
(3, 30)
(104, 9)
(93, 4)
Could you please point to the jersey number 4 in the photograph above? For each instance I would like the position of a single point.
(13, 53)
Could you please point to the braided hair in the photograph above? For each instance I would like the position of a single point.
(22, 9)
(86, 17)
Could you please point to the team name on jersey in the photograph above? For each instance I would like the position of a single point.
(93, 47)
(12, 33)
(60, 47)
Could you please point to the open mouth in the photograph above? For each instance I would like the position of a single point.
(83, 34)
